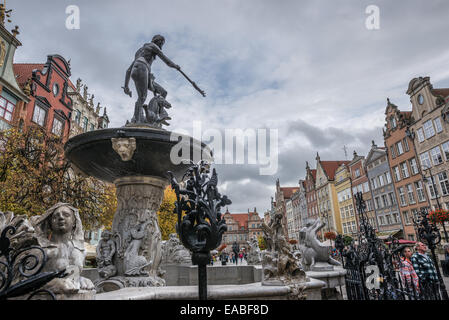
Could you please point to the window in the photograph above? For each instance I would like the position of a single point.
(413, 166)
(381, 220)
(429, 131)
(388, 219)
(420, 135)
(39, 115)
(431, 189)
(393, 154)
(377, 203)
(402, 196)
(374, 183)
(7, 107)
(444, 183)
(436, 155)
(396, 174)
(411, 196)
(85, 123)
(420, 191)
(381, 181)
(77, 116)
(437, 124)
(57, 127)
(396, 217)
(445, 147)
(406, 216)
(92, 127)
(384, 200)
(406, 147)
(369, 205)
(404, 170)
(399, 148)
(366, 187)
(425, 160)
(393, 122)
(357, 173)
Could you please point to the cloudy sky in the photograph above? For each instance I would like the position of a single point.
(310, 69)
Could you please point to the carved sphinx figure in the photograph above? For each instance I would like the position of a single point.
(106, 250)
(125, 147)
(315, 255)
(60, 232)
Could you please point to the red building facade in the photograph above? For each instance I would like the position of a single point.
(49, 105)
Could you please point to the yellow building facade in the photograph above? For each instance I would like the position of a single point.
(345, 202)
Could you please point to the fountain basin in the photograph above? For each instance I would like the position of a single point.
(93, 154)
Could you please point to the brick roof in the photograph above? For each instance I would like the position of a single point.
(441, 92)
(242, 218)
(23, 71)
(331, 166)
(288, 191)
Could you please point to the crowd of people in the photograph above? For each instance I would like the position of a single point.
(232, 258)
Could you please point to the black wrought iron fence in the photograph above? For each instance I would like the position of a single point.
(377, 271)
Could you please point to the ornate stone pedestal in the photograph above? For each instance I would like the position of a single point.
(136, 233)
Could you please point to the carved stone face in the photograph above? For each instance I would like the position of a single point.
(62, 220)
(125, 147)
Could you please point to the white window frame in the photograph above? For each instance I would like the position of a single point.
(429, 130)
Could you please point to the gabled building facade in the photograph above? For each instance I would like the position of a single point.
(282, 195)
(345, 200)
(12, 97)
(404, 166)
(327, 195)
(49, 105)
(360, 183)
(241, 228)
(311, 198)
(389, 221)
(430, 130)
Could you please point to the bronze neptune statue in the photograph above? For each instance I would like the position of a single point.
(144, 80)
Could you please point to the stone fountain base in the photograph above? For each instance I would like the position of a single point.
(117, 283)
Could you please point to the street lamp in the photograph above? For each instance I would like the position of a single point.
(426, 179)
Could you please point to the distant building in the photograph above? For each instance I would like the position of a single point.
(326, 193)
(299, 211)
(404, 166)
(311, 198)
(85, 116)
(49, 105)
(383, 193)
(360, 183)
(430, 129)
(282, 195)
(345, 200)
(241, 228)
(12, 96)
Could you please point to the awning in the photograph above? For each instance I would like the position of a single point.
(383, 235)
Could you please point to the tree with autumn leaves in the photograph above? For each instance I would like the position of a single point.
(34, 175)
(167, 219)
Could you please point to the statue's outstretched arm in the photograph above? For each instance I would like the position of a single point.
(164, 58)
